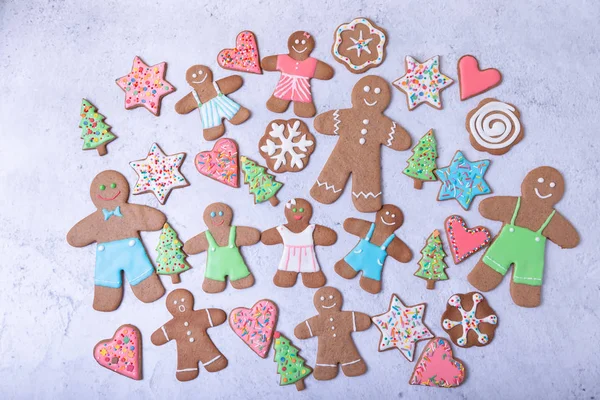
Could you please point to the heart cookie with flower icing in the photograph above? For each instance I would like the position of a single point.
(437, 367)
(220, 163)
(255, 326)
(122, 353)
(243, 57)
(464, 241)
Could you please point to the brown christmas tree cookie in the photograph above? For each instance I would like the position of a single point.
(494, 126)
(297, 69)
(469, 320)
(359, 45)
(286, 146)
(188, 328)
(333, 327)
(363, 129)
(377, 242)
(528, 222)
(222, 242)
(210, 97)
(299, 238)
(116, 227)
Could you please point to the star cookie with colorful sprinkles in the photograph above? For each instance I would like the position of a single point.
(359, 45)
(469, 320)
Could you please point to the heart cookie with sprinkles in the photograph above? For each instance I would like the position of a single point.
(220, 163)
(437, 367)
(122, 353)
(243, 57)
(255, 326)
(464, 241)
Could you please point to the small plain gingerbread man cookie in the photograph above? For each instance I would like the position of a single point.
(333, 327)
(362, 130)
(116, 227)
(210, 97)
(188, 328)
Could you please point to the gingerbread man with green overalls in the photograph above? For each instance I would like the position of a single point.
(528, 221)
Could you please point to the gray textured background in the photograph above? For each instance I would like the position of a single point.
(53, 53)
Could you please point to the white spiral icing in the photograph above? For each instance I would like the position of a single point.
(495, 125)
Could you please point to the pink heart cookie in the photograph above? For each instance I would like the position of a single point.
(244, 57)
(255, 326)
(220, 163)
(472, 80)
(464, 241)
(436, 366)
(123, 353)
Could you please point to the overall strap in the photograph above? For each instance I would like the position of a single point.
(370, 233)
(217, 88)
(545, 224)
(196, 97)
(514, 217)
(211, 239)
(388, 241)
(232, 236)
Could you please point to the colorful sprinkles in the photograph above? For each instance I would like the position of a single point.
(123, 353)
(437, 367)
(244, 57)
(221, 163)
(255, 326)
(474, 239)
(360, 44)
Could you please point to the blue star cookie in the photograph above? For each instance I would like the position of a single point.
(463, 180)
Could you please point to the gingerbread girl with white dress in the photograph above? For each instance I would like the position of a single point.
(297, 68)
(362, 130)
(299, 238)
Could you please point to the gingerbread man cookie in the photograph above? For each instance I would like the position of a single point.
(377, 242)
(188, 328)
(299, 238)
(222, 241)
(297, 68)
(334, 327)
(528, 222)
(362, 130)
(210, 97)
(116, 227)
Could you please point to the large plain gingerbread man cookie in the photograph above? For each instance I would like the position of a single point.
(528, 221)
(334, 327)
(188, 328)
(116, 226)
(362, 130)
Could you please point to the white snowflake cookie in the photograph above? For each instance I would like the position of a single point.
(286, 146)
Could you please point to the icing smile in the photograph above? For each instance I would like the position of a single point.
(299, 51)
(537, 192)
(387, 223)
(218, 223)
(116, 195)
(297, 217)
(331, 306)
(370, 104)
(181, 308)
(201, 81)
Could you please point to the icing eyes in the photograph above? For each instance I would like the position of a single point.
(182, 300)
(541, 180)
(377, 90)
(102, 187)
(294, 209)
(303, 42)
(213, 214)
(194, 76)
(175, 302)
(296, 41)
(301, 210)
(552, 184)
(330, 297)
(322, 298)
(367, 89)
(387, 213)
(200, 72)
(220, 213)
(393, 215)
(113, 185)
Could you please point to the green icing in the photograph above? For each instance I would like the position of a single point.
(94, 131)
(289, 365)
(422, 163)
(262, 185)
(431, 264)
(171, 258)
(223, 261)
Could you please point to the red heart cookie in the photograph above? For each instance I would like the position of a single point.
(221, 163)
(464, 241)
(255, 326)
(436, 366)
(472, 80)
(123, 353)
(244, 57)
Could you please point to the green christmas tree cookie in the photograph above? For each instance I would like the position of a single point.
(289, 365)
(422, 163)
(262, 185)
(431, 264)
(171, 258)
(95, 133)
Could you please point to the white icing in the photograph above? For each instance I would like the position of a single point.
(366, 195)
(336, 119)
(360, 44)
(296, 150)
(391, 134)
(537, 192)
(387, 223)
(495, 125)
(469, 321)
(328, 186)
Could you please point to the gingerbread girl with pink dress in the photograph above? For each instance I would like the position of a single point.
(297, 68)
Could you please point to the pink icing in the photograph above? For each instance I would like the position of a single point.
(220, 163)
(474, 81)
(288, 65)
(255, 326)
(436, 367)
(244, 57)
(464, 241)
(122, 353)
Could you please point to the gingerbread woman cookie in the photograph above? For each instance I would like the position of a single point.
(188, 328)
(297, 68)
(377, 242)
(222, 241)
(299, 238)
(528, 221)
(334, 327)
(362, 130)
(210, 97)
(116, 227)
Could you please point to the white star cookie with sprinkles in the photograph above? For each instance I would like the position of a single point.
(402, 327)
(423, 82)
(469, 320)
(159, 173)
(359, 45)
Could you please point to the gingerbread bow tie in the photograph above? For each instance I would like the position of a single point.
(109, 213)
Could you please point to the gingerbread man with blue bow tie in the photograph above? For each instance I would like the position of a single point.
(116, 226)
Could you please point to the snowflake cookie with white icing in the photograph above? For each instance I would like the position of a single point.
(469, 320)
(359, 45)
(287, 145)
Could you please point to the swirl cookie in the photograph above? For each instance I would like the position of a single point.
(494, 126)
